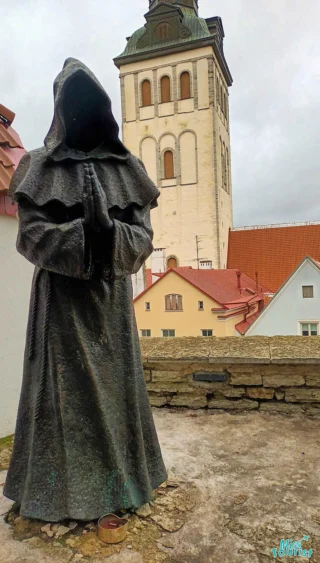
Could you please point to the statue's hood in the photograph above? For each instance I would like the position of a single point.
(56, 140)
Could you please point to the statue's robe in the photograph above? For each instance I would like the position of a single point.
(85, 442)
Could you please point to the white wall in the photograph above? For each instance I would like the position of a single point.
(15, 285)
(288, 307)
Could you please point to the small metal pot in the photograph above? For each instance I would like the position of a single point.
(112, 529)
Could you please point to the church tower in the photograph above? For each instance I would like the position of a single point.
(175, 115)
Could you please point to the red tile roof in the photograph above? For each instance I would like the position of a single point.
(243, 326)
(11, 148)
(272, 252)
(219, 285)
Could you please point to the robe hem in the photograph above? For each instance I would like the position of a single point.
(73, 515)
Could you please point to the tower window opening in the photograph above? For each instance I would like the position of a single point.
(165, 89)
(146, 93)
(168, 165)
(172, 262)
(185, 86)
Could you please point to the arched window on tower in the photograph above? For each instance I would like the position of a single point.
(218, 91)
(228, 171)
(185, 85)
(165, 87)
(146, 93)
(172, 262)
(222, 163)
(221, 98)
(168, 164)
(225, 105)
(225, 181)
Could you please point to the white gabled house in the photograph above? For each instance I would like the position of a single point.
(295, 308)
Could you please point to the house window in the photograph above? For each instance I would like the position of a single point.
(173, 302)
(185, 86)
(309, 329)
(200, 306)
(165, 89)
(146, 93)
(207, 332)
(168, 333)
(168, 165)
(148, 306)
(307, 291)
(145, 332)
(172, 262)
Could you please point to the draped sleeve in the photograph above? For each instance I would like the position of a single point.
(132, 243)
(59, 247)
(123, 250)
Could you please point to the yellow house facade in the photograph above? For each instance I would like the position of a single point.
(176, 306)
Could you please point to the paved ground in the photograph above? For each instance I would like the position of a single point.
(253, 479)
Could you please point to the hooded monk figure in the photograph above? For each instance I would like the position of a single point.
(85, 441)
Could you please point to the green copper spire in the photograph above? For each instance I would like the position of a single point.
(187, 3)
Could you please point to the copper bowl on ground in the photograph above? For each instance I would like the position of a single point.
(112, 529)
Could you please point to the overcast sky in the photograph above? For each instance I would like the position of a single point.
(272, 48)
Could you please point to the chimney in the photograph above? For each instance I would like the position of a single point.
(6, 116)
(239, 280)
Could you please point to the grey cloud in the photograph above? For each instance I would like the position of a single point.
(272, 49)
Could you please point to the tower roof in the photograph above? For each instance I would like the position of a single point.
(173, 26)
(189, 3)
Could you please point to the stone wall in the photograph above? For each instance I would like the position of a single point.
(280, 374)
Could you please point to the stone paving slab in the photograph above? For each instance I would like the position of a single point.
(255, 485)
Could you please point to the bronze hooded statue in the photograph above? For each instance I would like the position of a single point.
(85, 442)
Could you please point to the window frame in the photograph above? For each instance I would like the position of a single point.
(199, 307)
(185, 72)
(309, 324)
(206, 330)
(146, 306)
(145, 335)
(141, 93)
(172, 258)
(168, 330)
(161, 101)
(164, 177)
(178, 300)
(307, 287)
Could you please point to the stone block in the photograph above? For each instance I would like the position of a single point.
(283, 380)
(280, 407)
(158, 400)
(246, 379)
(164, 388)
(147, 375)
(279, 395)
(175, 349)
(188, 400)
(260, 393)
(313, 380)
(302, 395)
(168, 376)
(240, 405)
(230, 392)
(252, 350)
(294, 350)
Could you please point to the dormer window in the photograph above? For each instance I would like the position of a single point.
(162, 31)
